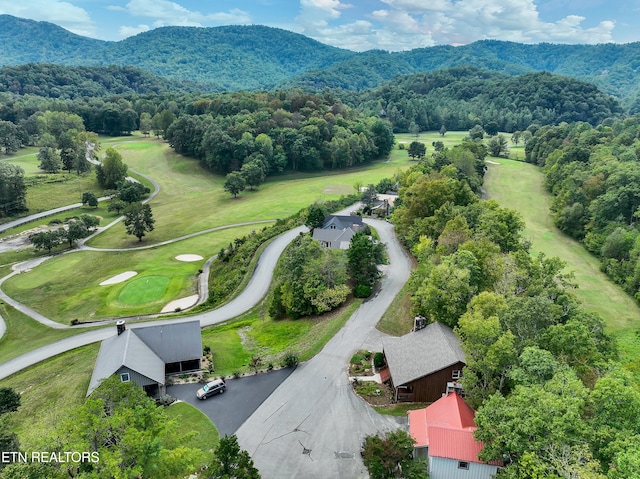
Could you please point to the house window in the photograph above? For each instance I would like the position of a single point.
(456, 374)
(124, 377)
(463, 465)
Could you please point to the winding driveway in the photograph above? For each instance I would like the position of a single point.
(313, 424)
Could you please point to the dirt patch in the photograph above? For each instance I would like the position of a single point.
(23, 239)
(337, 190)
(246, 341)
(374, 393)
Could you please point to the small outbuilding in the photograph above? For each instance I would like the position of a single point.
(424, 364)
(146, 355)
(443, 434)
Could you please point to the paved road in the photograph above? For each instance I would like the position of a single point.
(251, 296)
(313, 425)
(243, 396)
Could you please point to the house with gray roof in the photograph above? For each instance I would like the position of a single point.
(337, 231)
(424, 364)
(146, 355)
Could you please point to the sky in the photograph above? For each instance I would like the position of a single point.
(357, 25)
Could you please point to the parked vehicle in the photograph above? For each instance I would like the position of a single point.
(214, 387)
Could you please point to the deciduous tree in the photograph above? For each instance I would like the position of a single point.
(234, 183)
(138, 219)
(232, 462)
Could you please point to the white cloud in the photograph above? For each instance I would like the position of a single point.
(465, 21)
(125, 31)
(165, 12)
(64, 14)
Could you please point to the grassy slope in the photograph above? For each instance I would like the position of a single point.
(520, 186)
(204, 434)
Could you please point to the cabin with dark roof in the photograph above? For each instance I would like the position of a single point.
(424, 364)
(146, 355)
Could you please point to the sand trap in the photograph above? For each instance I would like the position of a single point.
(181, 303)
(491, 162)
(189, 257)
(119, 278)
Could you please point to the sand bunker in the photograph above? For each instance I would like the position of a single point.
(189, 257)
(491, 162)
(181, 303)
(119, 278)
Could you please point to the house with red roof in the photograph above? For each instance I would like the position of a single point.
(443, 434)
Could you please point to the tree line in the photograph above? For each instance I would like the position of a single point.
(552, 399)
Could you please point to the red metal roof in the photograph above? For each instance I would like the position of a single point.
(451, 411)
(418, 427)
(446, 427)
(458, 444)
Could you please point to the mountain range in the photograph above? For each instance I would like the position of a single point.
(258, 57)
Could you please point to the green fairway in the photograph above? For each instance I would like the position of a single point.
(192, 199)
(520, 186)
(79, 275)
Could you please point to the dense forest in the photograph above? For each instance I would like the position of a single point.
(552, 401)
(594, 175)
(290, 131)
(251, 57)
(65, 82)
(462, 97)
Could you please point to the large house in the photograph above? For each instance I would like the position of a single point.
(337, 231)
(424, 364)
(146, 355)
(443, 434)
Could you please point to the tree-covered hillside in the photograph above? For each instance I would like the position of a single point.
(460, 98)
(251, 57)
(66, 82)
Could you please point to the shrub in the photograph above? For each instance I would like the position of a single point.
(378, 360)
(362, 291)
(290, 359)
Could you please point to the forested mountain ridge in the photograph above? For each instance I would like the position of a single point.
(461, 97)
(252, 57)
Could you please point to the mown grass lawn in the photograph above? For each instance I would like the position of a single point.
(203, 434)
(520, 186)
(69, 288)
(234, 343)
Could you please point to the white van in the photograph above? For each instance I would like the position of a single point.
(214, 387)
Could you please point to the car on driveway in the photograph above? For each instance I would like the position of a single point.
(214, 387)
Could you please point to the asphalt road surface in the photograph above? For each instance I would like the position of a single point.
(313, 425)
(232, 408)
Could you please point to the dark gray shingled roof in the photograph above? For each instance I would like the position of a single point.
(421, 353)
(127, 350)
(173, 342)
